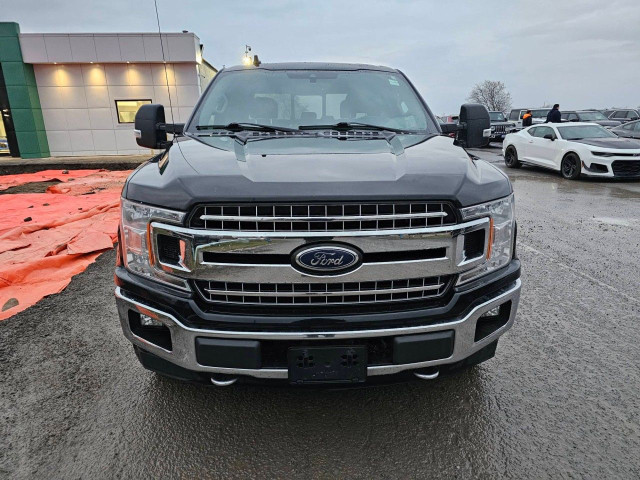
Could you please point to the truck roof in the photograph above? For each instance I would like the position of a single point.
(314, 66)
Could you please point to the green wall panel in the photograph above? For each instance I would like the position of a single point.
(13, 73)
(10, 49)
(38, 120)
(22, 91)
(28, 142)
(18, 96)
(23, 120)
(9, 29)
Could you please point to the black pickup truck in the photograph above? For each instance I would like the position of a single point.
(312, 223)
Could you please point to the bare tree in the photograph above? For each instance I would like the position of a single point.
(492, 94)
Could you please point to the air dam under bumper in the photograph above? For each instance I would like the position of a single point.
(181, 350)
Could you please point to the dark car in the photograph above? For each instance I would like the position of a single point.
(591, 116)
(313, 225)
(624, 115)
(500, 127)
(628, 130)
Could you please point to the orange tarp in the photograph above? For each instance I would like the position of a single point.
(8, 181)
(46, 238)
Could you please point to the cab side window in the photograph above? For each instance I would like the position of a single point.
(542, 131)
(532, 131)
(513, 115)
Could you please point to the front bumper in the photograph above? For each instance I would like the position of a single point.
(611, 167)
(462, 321)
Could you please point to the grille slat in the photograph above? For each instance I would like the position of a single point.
(324, 293)
(337, 217)
(626, 168)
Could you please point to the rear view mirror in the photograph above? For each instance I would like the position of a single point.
(151, 129)
(474, 128)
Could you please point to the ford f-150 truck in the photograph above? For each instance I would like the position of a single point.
(312, 223)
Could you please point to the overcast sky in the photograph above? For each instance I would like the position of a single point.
(580, 54)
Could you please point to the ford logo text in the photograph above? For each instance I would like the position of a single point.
(326, 259)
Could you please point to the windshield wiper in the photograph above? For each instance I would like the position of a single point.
(346, 126)
(240, 126)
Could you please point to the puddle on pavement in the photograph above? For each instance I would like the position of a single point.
(620, 222)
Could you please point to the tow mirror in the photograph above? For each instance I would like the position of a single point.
(474, 128)
(550, 136)
(151, 129)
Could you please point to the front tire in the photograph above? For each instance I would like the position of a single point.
(570, 166)
(511, 157)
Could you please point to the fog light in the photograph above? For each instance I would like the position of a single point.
(494, 312)
(147, 321)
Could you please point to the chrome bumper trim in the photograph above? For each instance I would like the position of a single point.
(183, 337)
(192, 264)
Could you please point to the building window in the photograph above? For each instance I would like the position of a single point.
(127, 109)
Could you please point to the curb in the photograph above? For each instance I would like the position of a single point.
(12, 166)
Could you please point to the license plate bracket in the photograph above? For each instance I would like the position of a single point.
(330, 364)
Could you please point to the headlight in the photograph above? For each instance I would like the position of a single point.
(136, 235)
(603, 154)
(501, 232)
(493, 128)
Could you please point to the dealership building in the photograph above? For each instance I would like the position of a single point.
(76, 94)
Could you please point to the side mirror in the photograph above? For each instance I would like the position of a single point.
(474, 128)
(550, 136)
(151, 129)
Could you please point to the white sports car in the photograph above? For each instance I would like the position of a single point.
(573, 149)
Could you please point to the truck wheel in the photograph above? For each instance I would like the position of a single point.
(511, 157)
(570, 166)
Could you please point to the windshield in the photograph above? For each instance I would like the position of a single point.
(577, 132)
(591, 116)
(497, 117)
(540, 113)
(291, 98)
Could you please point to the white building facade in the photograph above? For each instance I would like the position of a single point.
(90, 85)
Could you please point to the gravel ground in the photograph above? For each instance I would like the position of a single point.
(559, 400)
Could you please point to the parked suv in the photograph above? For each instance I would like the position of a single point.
(312, 225)
(539, 115)
(624, 115)
(500, 127)
(591, 116)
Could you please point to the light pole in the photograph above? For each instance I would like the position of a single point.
(247, 60)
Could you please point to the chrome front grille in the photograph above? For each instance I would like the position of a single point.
(323, 293)
(326, 217)
(500, 128)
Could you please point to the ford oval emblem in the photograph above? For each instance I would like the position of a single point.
(326, 259)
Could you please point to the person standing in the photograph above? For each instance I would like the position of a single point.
(527, 119)
(554, 115)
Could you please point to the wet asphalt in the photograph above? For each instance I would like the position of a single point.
(561, 399)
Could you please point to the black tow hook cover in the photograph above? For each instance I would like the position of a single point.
(423, 348)
(220, 352)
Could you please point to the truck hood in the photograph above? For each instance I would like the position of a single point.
(322, 170)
